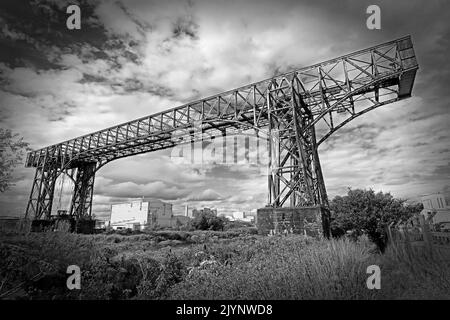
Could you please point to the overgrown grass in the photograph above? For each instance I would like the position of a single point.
(284, 268)
(413, 272)
(237, 265)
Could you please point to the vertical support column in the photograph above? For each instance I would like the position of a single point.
(41, 197)
(296, 177)
(321, 191)
(303, 151)
(274, 165)
(274, 149)
(81, 206)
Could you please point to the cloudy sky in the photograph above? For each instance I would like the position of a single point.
(134, 58)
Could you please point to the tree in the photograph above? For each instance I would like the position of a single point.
(12, 151)
(208, 221)
(364, 211)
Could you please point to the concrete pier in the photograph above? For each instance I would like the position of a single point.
(312, 221)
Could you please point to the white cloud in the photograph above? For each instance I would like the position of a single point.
(160, 55)
(205, 195)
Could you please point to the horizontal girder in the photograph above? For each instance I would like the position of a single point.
(299, 109)
(333, 92)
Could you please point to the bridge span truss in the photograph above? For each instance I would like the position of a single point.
(304, 107)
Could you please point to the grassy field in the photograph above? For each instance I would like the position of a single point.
(235, 264)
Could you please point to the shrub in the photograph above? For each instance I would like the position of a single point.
(364, 211)
(172, 272)
(208, 221)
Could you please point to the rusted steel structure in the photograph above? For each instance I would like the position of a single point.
(303, 107)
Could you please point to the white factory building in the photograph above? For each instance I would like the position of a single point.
(249, 216)
(137, 215)
(437, 206)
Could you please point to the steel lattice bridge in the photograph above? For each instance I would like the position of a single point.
(304, 106)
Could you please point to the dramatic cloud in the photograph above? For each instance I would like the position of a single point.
(206, 195)
(134, 58)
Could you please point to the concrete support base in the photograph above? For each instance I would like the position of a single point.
(312, 221)
(64, 224)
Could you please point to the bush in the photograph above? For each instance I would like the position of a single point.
(208, 221)
(172, 272)
(366, 212)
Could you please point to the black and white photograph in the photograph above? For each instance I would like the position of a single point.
(222, 155)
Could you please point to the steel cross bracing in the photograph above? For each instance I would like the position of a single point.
(303, 107)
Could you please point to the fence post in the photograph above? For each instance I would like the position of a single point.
(427, 238)
(389, 233)
(393, 237)
(407, 240)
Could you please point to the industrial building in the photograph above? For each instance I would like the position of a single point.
(249, 216)
(242, 216)
(137, 215)
(436, 206)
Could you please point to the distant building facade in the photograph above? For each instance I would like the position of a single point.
(436, 207)
(137, 215)
(239, 216)
(243, 216)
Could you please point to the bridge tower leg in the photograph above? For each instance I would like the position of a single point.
(297, 196)
(42, 191)
(295, 177)
(81, 206)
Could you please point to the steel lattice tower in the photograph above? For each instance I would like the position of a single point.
(302, 108)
